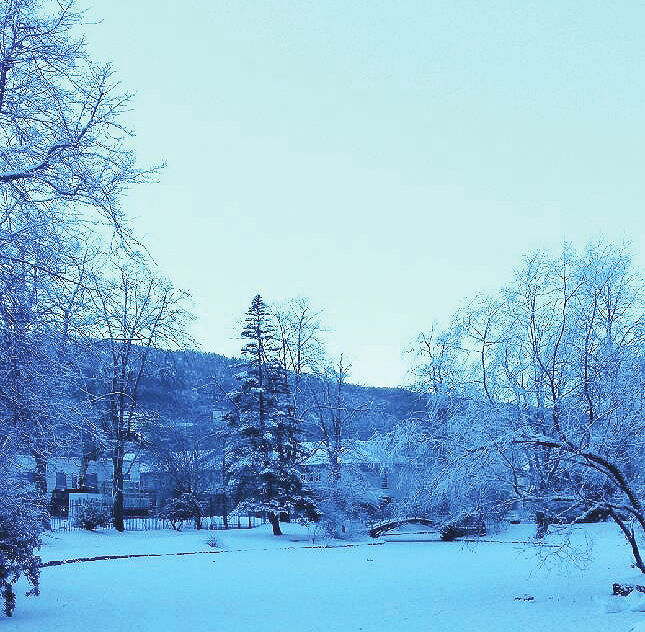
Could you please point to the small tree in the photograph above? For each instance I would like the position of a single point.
(178, 510)
(93, 514)
(190, 455)
(346, 493)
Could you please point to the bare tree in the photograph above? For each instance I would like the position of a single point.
(301, 348)
(136, 312)
(64, 161)
(62, 140)
(63, 164)
(346, 491)
(191, 455)
(333, 417)
(551, 390)
(39, 311)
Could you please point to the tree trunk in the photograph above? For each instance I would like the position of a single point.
(225, 511)
(117, 461)
(631, 538)
(275, 523)
(40, 481)
(40, 475)
(82, 472)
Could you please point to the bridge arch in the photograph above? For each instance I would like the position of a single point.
(382, 527)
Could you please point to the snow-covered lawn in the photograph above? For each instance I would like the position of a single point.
(275, 584)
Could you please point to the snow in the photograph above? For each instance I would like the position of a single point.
(352, 452)
(259, 581)
(635, 601)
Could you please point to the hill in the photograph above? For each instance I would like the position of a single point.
(187, 386)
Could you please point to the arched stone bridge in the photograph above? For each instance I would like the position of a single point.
(382, 527)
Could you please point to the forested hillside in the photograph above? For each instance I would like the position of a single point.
(187, 386)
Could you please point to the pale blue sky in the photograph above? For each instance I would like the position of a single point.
(383, 158)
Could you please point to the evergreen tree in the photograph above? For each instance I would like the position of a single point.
(264, 450)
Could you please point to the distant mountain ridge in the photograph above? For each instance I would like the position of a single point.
(187, 386)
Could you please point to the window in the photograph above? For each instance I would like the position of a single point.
(61, 480)
(214, 477)
(384, 483)
(311, 474)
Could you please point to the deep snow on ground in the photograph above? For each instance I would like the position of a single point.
(262, 582)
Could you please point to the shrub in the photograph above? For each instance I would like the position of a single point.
(212, 542)
(21, 523)
(93, 514)
(464, 524)
(178, 510)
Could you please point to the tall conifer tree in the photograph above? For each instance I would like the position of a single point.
(264, 451)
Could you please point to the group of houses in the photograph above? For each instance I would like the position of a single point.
(63, 480)
(147, 484)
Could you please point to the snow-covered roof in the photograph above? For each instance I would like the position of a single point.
(208, 460)
(68, 464)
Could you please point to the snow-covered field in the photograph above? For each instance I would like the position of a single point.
(259, 582)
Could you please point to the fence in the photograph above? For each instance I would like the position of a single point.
(211, 523)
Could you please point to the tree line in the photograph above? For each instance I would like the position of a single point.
(536, 395)
(82, 307)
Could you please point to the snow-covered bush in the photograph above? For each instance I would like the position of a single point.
(213, 542)
(341, 520)
(350, 503)
(93, 514)
(178, 510)
(21, 524)
(464, 524)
